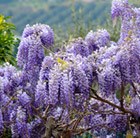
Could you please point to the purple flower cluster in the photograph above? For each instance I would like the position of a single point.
(130, 18)
(118, 122)
(98, 39)
(63, 79)
(92, 84)
(44, 32)
(118, 7)
(31, 52)
(78, 47)
(118, 65)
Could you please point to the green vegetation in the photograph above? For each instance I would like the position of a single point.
(53, 12)
(7, 41)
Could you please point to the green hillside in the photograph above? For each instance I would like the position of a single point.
(54, 12)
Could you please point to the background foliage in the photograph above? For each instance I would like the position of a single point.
(7, 41)
(53, 12)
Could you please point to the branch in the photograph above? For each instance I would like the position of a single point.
(106, 112)
(122, 96)
(97, 97)
(82, 130)
(77, 122)
(37, 112)
(46, 112)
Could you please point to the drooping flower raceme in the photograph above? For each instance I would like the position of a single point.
(118, 7)
(78, 46)
(31, 53)
(98, 39)
(65, 80)
(43, 31)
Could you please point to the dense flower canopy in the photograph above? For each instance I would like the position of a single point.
(93, 85)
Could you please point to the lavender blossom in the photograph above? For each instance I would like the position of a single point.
(21, 122)
(41, 30)
(47, 64)
(135, 106)
(118, 7)
(118, 122)
(28, 31)
(137, 21)
(36, 128)
(31, 52)
(67, 89)
(1, 122)
(128, 60)
(109, 81)
(54, 85)
(14, 127)
(78, 46)
(35, 58)
(24, 99)
(41, 94)
(22, 55)
(98, 39)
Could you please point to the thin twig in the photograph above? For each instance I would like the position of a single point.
(122, 96)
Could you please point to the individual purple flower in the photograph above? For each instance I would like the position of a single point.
(137, 21)
(11, 81)
(122, 60)
(8, 70)
(80, 81)
(88, 66)
(96, 121)
(90, 39)
(35, 58)
(128, 16)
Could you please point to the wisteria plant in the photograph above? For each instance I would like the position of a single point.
(91, 85)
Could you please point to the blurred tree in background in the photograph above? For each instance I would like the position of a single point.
(7, 41)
